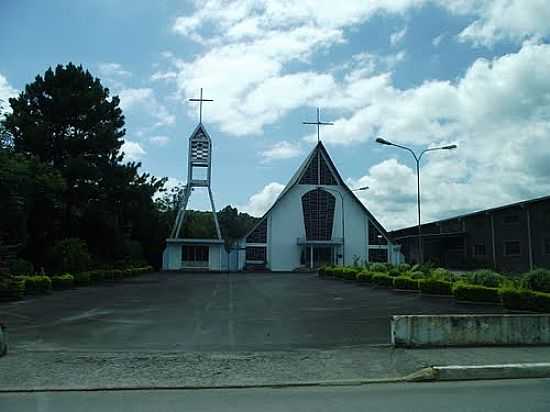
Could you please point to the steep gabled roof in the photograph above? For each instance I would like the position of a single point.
(297, 176)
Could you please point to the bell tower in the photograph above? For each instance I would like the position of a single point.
(199, 166)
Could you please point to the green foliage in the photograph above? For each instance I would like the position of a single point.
(60, 282)
(417, 274)
(36, 285)
(435, 286)
(394, 272)
(96, 276)
(405, 282)
(325, 270)
(523, 299)
(475, 293)
(364, 276)
(404, 267)
(21, 267)
(382, 279)
(11, 288)
(442, 274)
(537, 280)
(70, 255)
(486, 278)
(82, 279)
(378, 267)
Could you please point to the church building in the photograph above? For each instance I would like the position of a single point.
(316, 220)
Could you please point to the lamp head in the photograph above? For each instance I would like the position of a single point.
(450, 147)
(383, 141)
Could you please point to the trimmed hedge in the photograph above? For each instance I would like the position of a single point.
(523, 299)
(382, 279)
(325, 270)
(36, 285)
(435, 286)
(378, 267)
(394, 272)
(11, 289)
(364, 276)
(82, 279)
(442, 274)
(404, 267)
(61, 282)
(405, 282)
(96, 276)
(537, 280)
(475, 293)
(486, 278)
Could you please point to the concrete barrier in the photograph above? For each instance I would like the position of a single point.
(3, 341)
(470, 330)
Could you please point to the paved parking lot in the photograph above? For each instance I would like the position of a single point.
(216, 312)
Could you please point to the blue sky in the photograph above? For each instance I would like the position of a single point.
(418, 72)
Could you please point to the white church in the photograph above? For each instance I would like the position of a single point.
(316, 220)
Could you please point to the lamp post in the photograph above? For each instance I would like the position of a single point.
(417, 158)
(343, 225)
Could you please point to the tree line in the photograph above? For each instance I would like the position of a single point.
(63, 176)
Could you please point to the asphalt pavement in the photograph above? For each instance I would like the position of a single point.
(486, 396)
(216, 312)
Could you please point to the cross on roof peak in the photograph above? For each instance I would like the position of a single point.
(319, 123)
(200, 99)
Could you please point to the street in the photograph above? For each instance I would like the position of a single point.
(487, 396)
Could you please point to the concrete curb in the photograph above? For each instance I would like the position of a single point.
(481, 372)
(298, 384)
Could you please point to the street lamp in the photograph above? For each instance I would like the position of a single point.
(343, 225)
(417, 159)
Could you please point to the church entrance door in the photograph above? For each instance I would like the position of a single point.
(321, 256)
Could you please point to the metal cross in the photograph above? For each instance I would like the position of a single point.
(200, 105)
(319, 123)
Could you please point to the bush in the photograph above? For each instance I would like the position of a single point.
(486, 278)
(404, 267)
(435, 286)
(21, 267)
(70, 255)
(442, 274)
(523, 299)
(405, 282)
(350, 273)
(417, 274)
(475, 293)
(325, 270)
(382, 279)
(394, 272)
(11, 288)
(364, 276)
(60, 282)
(538, 280)
(378, 267)
(36, 285)
(96, 276)
(82, 279)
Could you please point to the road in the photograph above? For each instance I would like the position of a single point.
(486, 396)
(216, 312)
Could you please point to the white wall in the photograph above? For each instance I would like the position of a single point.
(286, 224)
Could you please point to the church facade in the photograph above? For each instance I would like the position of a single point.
(316, 220)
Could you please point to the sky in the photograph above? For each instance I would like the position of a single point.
(420, 73)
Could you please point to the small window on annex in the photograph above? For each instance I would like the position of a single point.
(512, 248)
(378, 255)
(480, 249)
(194, 253)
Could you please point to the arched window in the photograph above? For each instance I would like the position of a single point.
(318, 208)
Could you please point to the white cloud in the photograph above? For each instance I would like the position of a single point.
(261, 201)
(159, 140)
(6, 91)
(133, 151)
(145, 99)
(164, 76)
(397, 36)
(113, 70)
(438, 39)
(514, 20)
(282, 150)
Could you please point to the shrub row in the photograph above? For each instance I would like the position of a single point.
(524, 299)
(475, 293)
(13, 288)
